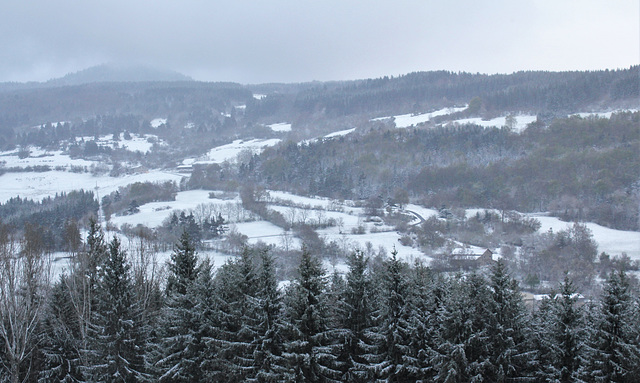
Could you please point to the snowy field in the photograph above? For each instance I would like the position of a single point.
(41, 157)
(280, 127)
(603, 114)
(407, 120)
(154, 213)
(60, 261)
(265, 232)
(230, 151)
(348, 219)
(137, 143)
(340, 133)
(157, 122)
(37, 186)
(611, 241)
(521, 122)
(314, 202)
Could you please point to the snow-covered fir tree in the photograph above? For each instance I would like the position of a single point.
(392, 322)
(463, 346)
(355, 321)
(82, 283)
(511, 355)
(61, 338)
(568, 334)
(614, 347)
(236, 291)
(422, 322)
(269, 363)
(308, 348)
(177, 351)
(117, 348)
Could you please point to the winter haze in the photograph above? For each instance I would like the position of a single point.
(293, 41)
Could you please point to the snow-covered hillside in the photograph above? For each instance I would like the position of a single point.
(280, 127)
(137, 143)
(36, 186)
(55, 159)
(230, 151)
(611, 241)
(407, 120)
(520, 122)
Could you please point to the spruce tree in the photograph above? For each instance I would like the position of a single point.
(82, 284)
(423, 307)
(354, 322)
(178, 347)
(568, 334)
(117, 352)
(543, 339)
(463, 352)
(183, 266)
(393, 328)
(614, 350)
(238, 311)
(511, 356)
(310, 359)
(205, 314)
(61, 338)
(268, 360)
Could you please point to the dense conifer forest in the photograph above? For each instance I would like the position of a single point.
(85, 297)
(110, 318)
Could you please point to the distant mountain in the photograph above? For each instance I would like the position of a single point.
(119, 73)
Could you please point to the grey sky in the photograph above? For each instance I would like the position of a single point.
(303, 40)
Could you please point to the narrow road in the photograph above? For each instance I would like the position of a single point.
(421, 218)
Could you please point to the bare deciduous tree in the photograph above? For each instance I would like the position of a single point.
(24, 277)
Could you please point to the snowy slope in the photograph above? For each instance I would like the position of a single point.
(611, 241)
(521, 122)
(154, 213)
(280, 127)
(39, 185)
(230, 151)
(407, 120)
(40, 157)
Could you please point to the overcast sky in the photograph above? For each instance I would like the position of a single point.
(299, 40)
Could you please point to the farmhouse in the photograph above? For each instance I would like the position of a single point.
(467, 260)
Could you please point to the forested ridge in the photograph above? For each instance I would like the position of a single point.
(315, 106)
(533, 91)
(111, 317)
(272, 314)
(578, 168)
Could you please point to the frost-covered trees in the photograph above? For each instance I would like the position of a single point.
(24, 278)
(61, 338)
(509, 352)
(247, 343)
(380, 321)
(307, 348)
(462, 323)
(82, 282)
(237, 305)
(393, 327)
(354, 322)
(424, 304)
(614, 348)
(117, 347)
(567, 334)
(559, 336)
(177, 353)
(269, 363)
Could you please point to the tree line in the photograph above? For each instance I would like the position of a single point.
(534, 91)
(578, 168)
(111, 316)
